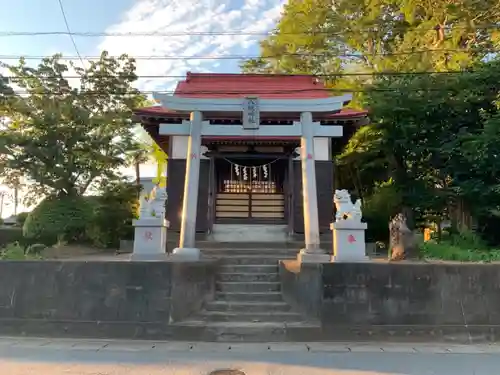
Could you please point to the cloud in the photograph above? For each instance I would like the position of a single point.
(189, 16)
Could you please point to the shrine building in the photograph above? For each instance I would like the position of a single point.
(251, 165)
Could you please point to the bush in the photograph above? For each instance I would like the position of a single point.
(113, 215)
(16, 251)
(378, 209)
(59, 218)
(462, 247)
(21, 218)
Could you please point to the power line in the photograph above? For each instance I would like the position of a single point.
(231, 33)
(243, 57)
(235, 93)
(69, 32)
(331, 75)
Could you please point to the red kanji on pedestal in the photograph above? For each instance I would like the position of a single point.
(351, 239)
(148, 236)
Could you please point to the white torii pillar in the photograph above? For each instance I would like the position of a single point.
(306, 129)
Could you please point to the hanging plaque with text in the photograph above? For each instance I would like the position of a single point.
(251, 114)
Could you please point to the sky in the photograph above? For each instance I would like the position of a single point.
(142, 16)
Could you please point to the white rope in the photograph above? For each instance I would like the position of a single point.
(250, 166)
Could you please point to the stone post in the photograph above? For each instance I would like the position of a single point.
(187, 249)
(349, 241)
(150, 237)
(348, 231)
(312, 252)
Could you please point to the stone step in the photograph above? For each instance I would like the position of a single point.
(292, 245)
(249, 297)
(254, 260)
(259, 307)
(227, 252)
(238, 332)
(248, 268)
(283, 317)
(246, 287)
(249, 332)
(249, 277)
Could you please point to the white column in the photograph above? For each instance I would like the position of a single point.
(312, 251)
(187, 247)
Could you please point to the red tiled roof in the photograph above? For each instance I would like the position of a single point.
(209, 85)
(215, 85)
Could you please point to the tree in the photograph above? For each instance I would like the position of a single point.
(316, 37)
(65, 137)
(435, 136)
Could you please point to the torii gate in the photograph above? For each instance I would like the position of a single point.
(251, 107)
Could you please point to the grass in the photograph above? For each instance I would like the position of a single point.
(15, 251)
(462, 247)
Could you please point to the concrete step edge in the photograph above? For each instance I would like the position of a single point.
(249, 314)
(229, 326)
(248, 303)
(254, 256)
(247, 282)
(249, 265)
(247, 293)
(248, 273)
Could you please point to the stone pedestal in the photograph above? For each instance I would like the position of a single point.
(317, 256)
(186, 253)
(349, 241)
(150, 239)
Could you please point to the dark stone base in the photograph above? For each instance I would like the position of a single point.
(179, 332)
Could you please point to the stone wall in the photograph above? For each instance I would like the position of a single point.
(408, 293)
(459, 301)
(101, 299)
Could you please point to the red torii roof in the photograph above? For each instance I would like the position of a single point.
(266, 86)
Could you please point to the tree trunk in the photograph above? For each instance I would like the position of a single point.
(137, 166)
(2, 195)
(137, 174)
(16, 198)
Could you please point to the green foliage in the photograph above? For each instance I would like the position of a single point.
(447, 251)
(378, 209)
(438, 149)
(113, 214)
(55, 219)
(21, 218)
(15, 251)
(63, 138)
(313, 36)
(463, 246)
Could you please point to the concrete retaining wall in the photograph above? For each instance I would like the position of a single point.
(367, 300)
(101, 299)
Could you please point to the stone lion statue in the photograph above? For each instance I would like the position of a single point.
(153, 204)
(402, 241)
(345, 209)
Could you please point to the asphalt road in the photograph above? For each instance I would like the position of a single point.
(83, 357)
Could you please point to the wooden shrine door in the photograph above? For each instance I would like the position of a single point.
(250, 193)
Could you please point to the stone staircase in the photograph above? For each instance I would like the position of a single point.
(248, 304)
